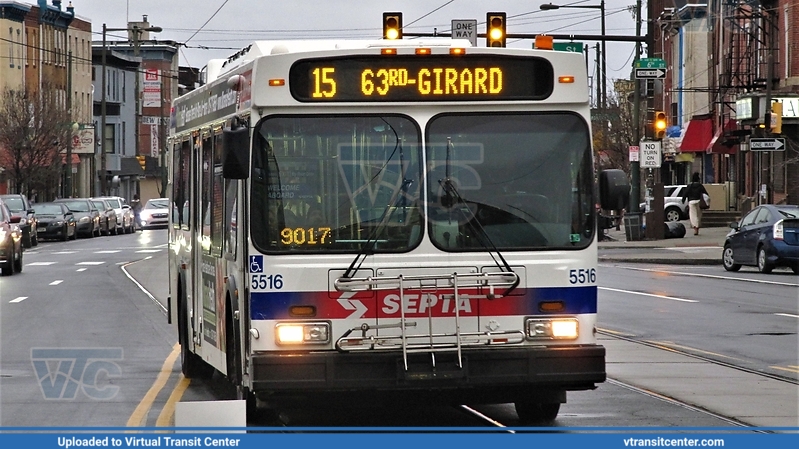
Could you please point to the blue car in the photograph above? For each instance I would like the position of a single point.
(767, 237)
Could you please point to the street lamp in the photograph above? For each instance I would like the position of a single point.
(601, 8)
(135, 31)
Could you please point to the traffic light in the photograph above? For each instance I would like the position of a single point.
(495, 29)
(392, 25)
(776, 118)
(142, 161)
(659, 125)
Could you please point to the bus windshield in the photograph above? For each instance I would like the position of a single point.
(336, 183)
(514, 181)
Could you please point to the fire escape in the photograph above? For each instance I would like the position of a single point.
(749, 29)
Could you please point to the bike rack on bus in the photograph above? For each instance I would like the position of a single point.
(486, 285)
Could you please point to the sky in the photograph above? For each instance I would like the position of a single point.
(218, 28)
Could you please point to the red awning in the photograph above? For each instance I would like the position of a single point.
(721, 144)
(698, 135)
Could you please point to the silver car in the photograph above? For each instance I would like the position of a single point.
(123, 213)
(155, 213)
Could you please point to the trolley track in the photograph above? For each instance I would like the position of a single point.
(699, 357)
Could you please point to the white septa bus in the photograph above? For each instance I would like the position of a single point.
(389, 218)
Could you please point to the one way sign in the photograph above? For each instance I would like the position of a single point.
(465, 29)
(650, 73)
(766, 144)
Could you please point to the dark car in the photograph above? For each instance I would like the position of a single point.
(19, 206)
(56, 221)
(10, 242)
(766, 237)
(86, 214)
(108, 217)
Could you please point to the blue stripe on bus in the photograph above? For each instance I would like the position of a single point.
(275, 305)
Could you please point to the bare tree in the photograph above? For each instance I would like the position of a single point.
(34, 127)
(613, 146)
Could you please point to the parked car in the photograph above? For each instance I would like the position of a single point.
(124, 213)
(674, 208)
(10, 242)
(108, 217)
(155, 213)
(86, 214)
(56, 221)
(19, 205)
(766, 237)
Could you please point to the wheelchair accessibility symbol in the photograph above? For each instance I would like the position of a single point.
(256, 264)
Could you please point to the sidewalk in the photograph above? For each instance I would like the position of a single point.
(702, 249)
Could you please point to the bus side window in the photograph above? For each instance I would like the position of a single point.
(231, 215)
(207, 180)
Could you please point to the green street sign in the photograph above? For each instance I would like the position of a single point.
(650, 63)
(575, 47)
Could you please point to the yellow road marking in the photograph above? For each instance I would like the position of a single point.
(166, 418)
(790, 368)
(139, 416)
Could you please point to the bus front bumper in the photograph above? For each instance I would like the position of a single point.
(500, 374)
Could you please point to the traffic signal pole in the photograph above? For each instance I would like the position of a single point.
(635, 166)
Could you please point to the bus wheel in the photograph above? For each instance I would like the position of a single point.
(537, 412)
(192, 366)
(232, 346)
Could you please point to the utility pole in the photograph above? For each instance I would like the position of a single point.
(103, 86)
(135, 32)
(600, 105)
(635, 166)
(68, 174)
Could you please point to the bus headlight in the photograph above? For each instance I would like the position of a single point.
(552, 328)
(302, 333)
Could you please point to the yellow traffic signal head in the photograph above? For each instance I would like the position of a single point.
(776, 118)
(142, 161)
(495, 32)
(659, 124)
(392, 25)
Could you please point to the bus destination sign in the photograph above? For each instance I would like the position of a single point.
(421, 78)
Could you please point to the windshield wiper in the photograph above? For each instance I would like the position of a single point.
(453, 197)
(367, 248)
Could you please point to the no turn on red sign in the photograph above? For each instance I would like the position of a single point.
(651, 153)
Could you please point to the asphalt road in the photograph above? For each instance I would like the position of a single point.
(744, 319)
(70, 307)
(104, 294)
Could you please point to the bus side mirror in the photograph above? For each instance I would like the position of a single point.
(614, 189)
(236, 155)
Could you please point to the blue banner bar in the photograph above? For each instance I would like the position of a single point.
(744, 438)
